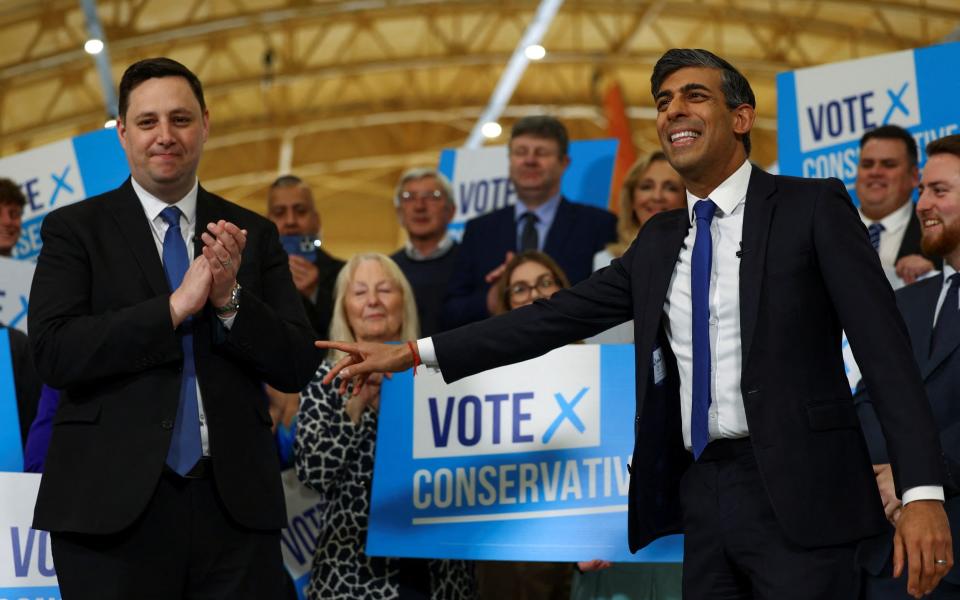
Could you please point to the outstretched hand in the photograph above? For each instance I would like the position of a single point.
(922, 542)
(364, 358)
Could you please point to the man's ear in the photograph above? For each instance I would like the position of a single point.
(743, 118)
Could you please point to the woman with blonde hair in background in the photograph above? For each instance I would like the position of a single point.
(651, 186)
(334, 450)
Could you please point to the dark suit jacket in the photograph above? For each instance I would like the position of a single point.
(320, 312)
(576, 234)
(807, 268)
(941, 377)
(101, 330)
(911, 242)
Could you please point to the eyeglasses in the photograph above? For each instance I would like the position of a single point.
(435, 196)
(521, 290)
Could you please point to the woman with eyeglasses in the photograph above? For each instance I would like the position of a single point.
(528, 276)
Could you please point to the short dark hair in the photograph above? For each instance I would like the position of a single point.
(893, 132)
(151, 68)
(543, 126)
(286, 181)
(10, 193)
(735, 87)
(945, 145)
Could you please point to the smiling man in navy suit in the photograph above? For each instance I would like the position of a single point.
(756, 454)
(542, 219)
(930, 310)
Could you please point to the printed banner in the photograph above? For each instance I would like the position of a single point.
(481, 182)
(11, 446)
(26, 561)
(298, 542)
(823, 111)
(15, 279)
(63, 173)
(525, 462)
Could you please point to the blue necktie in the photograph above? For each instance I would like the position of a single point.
(185, 448)
(700, 269)
(875, 230)
(949, 318)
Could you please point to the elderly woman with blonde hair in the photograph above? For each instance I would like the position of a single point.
(334, 450)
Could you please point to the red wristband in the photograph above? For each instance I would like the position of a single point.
(416, 356)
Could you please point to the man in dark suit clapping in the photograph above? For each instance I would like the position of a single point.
(160, 310)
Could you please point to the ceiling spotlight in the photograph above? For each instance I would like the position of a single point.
(110, 124)
(535, 51)
(491, 129)
(93, 46)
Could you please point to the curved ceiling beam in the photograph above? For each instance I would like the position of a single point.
(198, 32)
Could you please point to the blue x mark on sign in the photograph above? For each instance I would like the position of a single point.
(566, 414)
(20, 315)
(896, 103)
(60, 183)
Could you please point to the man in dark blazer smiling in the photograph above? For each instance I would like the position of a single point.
(931, 311)
(160, 311)
(758, 458)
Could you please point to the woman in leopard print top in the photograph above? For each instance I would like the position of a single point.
(334, 450)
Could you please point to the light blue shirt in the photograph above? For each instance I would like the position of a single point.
(546, 212)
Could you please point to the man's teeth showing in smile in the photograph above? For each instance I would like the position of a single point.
(683, 135)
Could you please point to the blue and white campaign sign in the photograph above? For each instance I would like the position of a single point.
(15, 279)
(298, 542)
(823, 111)
(63, 173)
(11, 446)
(525, 462)
(481, 181)
(26, 561)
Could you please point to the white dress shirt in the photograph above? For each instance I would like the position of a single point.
(894, 228)
(727, 417)
(153, 206)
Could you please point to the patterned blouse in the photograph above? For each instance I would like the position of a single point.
(335, 457)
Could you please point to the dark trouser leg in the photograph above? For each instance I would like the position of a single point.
(734, 547)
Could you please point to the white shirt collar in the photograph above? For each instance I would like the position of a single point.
(728, 194)
(153, 206)
(947, 272)
(442, 248)
(895, 221)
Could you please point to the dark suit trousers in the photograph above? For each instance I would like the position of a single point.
(184, 546)
(733, 546)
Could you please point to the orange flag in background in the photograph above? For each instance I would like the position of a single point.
(618, 126)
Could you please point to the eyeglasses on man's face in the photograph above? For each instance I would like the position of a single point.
(434, 196)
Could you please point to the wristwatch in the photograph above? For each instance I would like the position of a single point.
(232, 305)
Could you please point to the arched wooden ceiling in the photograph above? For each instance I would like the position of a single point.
(348, 94)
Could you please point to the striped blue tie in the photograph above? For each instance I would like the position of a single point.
(700, 269)
(185, 449)
(875, 230)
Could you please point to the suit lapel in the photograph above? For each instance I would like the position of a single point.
(135, 230)
(561, 230)
(952, 338)
(668, 244)
(758, 211)
(204, 215)
(916, 305)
